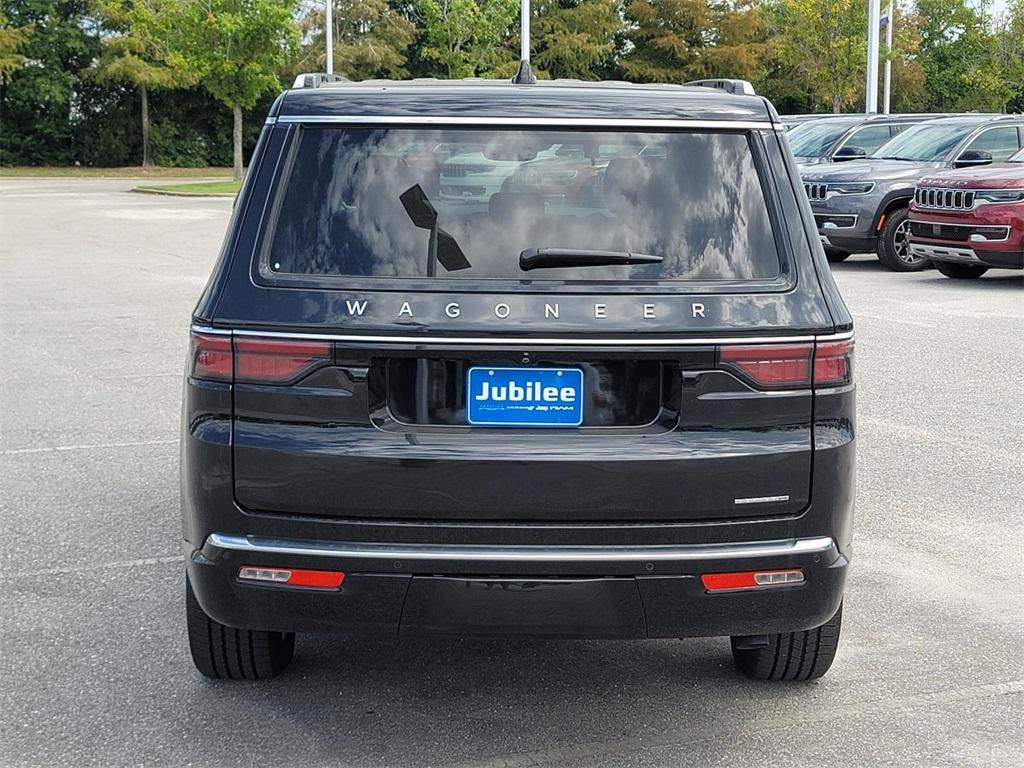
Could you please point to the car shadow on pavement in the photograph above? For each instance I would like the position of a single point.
(474, 702)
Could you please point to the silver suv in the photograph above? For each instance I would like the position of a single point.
(861, 206)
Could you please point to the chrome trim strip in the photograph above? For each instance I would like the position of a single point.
(206, 330)
(830, 225)
(501, 341)
(270, 121)
(946, 253)
(521, 554)
(761, 499)
(610, 122)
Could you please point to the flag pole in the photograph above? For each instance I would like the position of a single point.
(329, 26)
(871, 91)
(887, 97)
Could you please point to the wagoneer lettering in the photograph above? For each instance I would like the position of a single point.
(511, 363)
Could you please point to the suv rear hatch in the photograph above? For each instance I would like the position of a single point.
(619, 295)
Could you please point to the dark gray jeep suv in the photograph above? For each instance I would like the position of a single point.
(609, 396)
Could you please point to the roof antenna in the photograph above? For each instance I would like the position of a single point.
(525, 75)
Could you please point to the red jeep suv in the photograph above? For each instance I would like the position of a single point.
(971, 220)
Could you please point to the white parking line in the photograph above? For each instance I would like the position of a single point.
(68, 570)
(84, 447)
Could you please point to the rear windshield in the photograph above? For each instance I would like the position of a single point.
(457, 204)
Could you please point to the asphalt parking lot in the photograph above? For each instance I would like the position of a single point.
(95, 293)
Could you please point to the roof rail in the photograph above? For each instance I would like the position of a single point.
(737, 87)
(316, 79)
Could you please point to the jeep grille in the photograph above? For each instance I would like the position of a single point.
(944, 199)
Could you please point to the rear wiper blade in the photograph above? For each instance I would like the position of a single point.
(555, 258)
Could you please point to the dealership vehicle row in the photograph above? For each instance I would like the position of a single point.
(917, 190)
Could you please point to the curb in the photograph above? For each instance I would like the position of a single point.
(171, 193)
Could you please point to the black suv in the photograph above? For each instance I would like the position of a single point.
(609, 396)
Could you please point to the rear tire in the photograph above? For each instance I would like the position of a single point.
(893, 247)
(836, 256)
(792, 655)
(960, 271)
(225, 653)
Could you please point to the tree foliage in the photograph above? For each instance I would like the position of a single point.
(825, 42)
(12, 41)
(462, 37)
(236, 48)
(575, 38)
(73, 72)
(958, 57)
(371, 39)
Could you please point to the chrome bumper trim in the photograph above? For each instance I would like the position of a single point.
(521, 554)
(525, 342)
(945, 253)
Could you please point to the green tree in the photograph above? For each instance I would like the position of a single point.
(463, 38)
(12, 41)
(371, 39)
(135, 54)
(236, 48)
(575, 38)
(737, 43)
(824, 43)
(38, 97)
(666, 36)
(958, 56)
(678, 40)
(1009, 53)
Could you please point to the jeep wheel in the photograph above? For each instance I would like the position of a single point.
(226, 653)
(792, 655)
(960, 271)
(893, 247)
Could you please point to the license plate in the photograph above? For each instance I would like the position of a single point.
(524, 397)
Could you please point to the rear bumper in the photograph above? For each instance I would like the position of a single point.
(561, 591)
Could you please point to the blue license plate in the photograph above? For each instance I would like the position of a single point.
(524, 397)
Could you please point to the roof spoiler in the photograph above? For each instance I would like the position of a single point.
(737, 87)
(316, 79)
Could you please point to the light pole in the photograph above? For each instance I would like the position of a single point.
(887, 92)
(871, 93)
(329, 25)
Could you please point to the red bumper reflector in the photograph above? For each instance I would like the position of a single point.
(293, 577)
(714, 582)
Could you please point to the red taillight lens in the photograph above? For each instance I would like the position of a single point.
(273, 361)
(787, 366)
(211, 357)
(717, 582)
(255, 360)
(773, 366)
(833, 363)
(293, 577)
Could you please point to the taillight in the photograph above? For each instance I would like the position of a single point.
(255, 360)
(718, 582)
(773, 366)
(292, 577)
(274, 361)
(789, 366)
(833, 363)
(211, 357)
